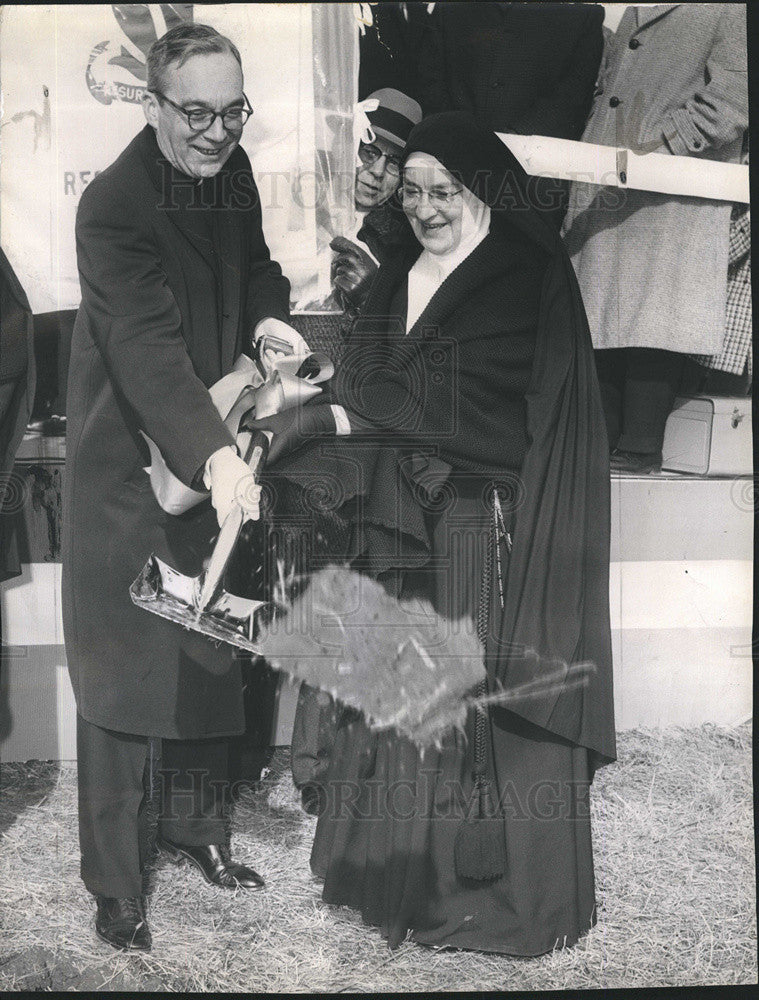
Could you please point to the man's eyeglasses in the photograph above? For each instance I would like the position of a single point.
(368, 153)
(438, 197)
(200, 119)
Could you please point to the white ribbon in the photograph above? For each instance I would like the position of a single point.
(364, 16)
(362, 127)
(610, 166)
(281, 389)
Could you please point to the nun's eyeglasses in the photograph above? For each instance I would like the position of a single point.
(438, 197)
(368, 153)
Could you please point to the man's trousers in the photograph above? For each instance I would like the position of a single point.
(638, 390)
(120, 776)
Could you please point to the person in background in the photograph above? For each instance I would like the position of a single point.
(731, 371)
(381, 228)
(651, 266)
(380, 225)
(176, 282)
(17, 387)
(388, 44)
(515, 67)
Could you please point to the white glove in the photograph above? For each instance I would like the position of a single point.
(231, 482)
(271, 327)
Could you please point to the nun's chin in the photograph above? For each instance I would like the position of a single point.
(438, 240)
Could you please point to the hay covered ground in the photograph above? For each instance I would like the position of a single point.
(674, 843)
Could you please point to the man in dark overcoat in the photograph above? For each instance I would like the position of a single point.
(176, 281)
(514, 67)
(528, 68)
(388, 46)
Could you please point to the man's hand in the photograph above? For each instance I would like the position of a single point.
(271, 327)
(231, 482)
(351, 272)
(294, 428)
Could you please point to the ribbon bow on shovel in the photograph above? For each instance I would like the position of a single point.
(253, 388)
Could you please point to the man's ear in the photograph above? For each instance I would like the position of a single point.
(150, 108)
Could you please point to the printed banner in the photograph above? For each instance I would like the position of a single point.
(72, 79)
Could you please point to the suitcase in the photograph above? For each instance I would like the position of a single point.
(710, 436)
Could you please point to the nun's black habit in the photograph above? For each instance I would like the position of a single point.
(494, 383)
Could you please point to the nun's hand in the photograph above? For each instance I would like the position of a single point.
(294, 428)
(352, 271)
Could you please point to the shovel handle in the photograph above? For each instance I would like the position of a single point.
(257, 450)
(222, 550)
(230, 530)
(262, 344)
(276, 344)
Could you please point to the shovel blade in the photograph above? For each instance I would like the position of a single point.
(163, 591)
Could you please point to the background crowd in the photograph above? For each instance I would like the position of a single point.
(670, 78)
(665, 280)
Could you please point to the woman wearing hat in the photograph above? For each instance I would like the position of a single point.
(476, 374)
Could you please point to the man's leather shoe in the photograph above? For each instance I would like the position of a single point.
(122, 923)
(215, 864)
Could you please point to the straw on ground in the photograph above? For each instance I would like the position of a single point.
(675, 885)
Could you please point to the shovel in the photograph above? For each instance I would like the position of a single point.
(199, 602)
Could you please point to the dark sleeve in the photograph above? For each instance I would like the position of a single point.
(433, 91)
(268, 288)
(466, 399)
(137, 327)
(563, 112)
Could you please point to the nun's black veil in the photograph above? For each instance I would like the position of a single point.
(554, 654)
(479, 160)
